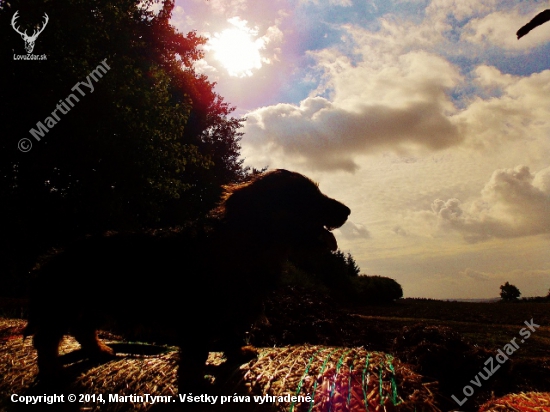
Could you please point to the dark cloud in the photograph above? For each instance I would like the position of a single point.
(327, 137)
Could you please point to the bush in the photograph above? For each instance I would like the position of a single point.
(378, 289)
(509, 293)
(338, 273)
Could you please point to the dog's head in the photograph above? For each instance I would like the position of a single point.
(284, 206)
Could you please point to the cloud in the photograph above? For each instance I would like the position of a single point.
(459, 9)
(351, 231)
(398, 230)
(514, 109)
(499, 29)
(476, 275)
(227, 6)
(394, 90)
(342, 3)
(400, 107)
(514, 203)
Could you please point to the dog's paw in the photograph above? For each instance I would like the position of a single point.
(241, 355)
(248, 352)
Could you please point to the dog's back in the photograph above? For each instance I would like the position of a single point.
(115, 279)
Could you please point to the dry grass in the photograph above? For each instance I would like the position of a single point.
(338, 379)
(125, 375)
(523, 402)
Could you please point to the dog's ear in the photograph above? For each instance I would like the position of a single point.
(244, 203)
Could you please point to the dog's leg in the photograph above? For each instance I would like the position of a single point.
(91, 345)
(191, 368)
(46, 343)
(240, 354)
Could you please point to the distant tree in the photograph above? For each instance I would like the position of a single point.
(338, 273)
(352, 267)
(334, 270)
(509, 293)
(378, 289)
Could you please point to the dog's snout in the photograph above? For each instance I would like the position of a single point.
(346, 211)
(337, 213)
(340, 209)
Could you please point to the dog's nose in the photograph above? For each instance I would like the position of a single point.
(342, 210)
(347, 210)
(339, 213)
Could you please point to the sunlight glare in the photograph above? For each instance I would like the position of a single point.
(237, 51)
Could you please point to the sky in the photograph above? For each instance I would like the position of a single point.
(428, 118)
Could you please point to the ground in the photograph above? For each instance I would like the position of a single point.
(447, 342)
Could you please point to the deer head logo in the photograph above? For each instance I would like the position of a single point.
(29, 40)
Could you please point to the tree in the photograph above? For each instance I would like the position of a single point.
(539, 19)
(509, 293)
(378, 289)
(352, 267)
(331, 269)
(149, 146)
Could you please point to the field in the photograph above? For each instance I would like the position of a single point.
(490, 325)
(446, 342)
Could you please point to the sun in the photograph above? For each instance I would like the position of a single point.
(237, 51)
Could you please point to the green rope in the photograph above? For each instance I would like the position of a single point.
(381, 381)
(320, 373)
(338, 366)
(349, 381)
(304, 376)
(363, 382)
(394, 399)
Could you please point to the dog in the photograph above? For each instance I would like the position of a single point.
(205, 284)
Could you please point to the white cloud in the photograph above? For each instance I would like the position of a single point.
(227, 6)
(514, 203)
(342, 3)
(351, 230)
(181, 20)
(459, 9)
(323, 136)
(401, 106)
(476, 274)
(393, 96)
(517, 109)
(499, 29)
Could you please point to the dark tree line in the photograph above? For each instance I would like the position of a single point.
(511, 293)
(341, 276)
(150, 146)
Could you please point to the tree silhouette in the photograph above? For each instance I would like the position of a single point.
(150, 146)
(509, 293)
(378, 289)
(352, 267)
(539, 19)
